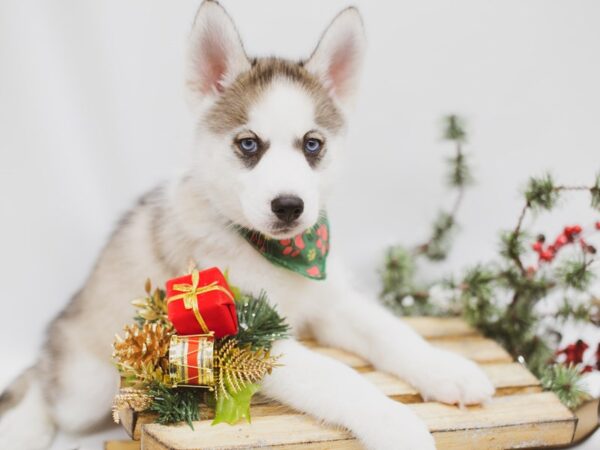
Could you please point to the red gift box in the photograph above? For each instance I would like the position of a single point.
(202, 302)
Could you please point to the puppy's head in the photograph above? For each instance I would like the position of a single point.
(269, 130)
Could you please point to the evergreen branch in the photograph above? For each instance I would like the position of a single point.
(576, 274)
(398, 272)
(580, 312)
(512, 246)
(438, 245)
(565, 382)
(454, 128)
(259, 323)
(595, 193)
(541, 193)
(460, 173)
(174, 405)
(436, 249)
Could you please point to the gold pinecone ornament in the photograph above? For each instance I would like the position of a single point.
(142, 352)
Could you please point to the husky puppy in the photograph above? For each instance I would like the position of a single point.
(269, 132)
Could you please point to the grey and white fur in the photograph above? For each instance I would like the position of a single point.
(251, 150)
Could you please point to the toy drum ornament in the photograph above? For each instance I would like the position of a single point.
(191, 360)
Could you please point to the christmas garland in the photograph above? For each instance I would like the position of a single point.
(198, 349)
(503, 298)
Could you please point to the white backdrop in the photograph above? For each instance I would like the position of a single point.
(92, 114)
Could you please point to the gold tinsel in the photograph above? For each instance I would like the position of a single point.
(136, 399)
(235, 367)
(142, 352)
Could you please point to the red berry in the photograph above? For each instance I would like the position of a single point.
(537, 246)
(598, 225)
(561, 240)
(547, 255)
(576, 229)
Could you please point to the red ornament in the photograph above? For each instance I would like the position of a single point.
(202, 302)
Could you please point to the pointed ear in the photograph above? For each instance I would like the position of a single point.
(216, 53)
(337, 60)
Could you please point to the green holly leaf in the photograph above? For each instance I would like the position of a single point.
(233, 407)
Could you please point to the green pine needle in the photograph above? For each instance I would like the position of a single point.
(460, 173)
(595, 192)
(565, 382)
(439, 244)
(541, 193)
(174, 405)
(579, 312)
(454, 128)
(398, 271)
(575, 274)
(259, 323)
(512, 245)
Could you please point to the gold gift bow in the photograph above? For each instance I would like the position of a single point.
(190, 292)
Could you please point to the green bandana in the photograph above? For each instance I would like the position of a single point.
(305, 254)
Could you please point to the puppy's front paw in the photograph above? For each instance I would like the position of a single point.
(394, 426)
(450, 378)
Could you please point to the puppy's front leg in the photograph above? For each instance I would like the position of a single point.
(334, 393)
(362, 326)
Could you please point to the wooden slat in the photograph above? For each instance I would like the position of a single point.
(508, 379)
(440, 327)
(478, 349)
(506, 422)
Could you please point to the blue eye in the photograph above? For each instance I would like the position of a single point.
(248, 145)
(312, 145)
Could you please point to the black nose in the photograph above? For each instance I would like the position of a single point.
(287, 207)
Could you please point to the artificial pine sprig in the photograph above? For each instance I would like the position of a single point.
(576, 274)
(173, 405)
(454, 128)
(259, 323)
(400, 291)
(565, 381)
(438, 245)
(541, 193)
(595, 194)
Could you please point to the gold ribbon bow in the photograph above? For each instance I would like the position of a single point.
(189, 294)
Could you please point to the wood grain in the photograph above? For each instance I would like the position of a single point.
(507, 422)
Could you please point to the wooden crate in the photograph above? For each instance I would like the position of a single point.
(519, 416)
